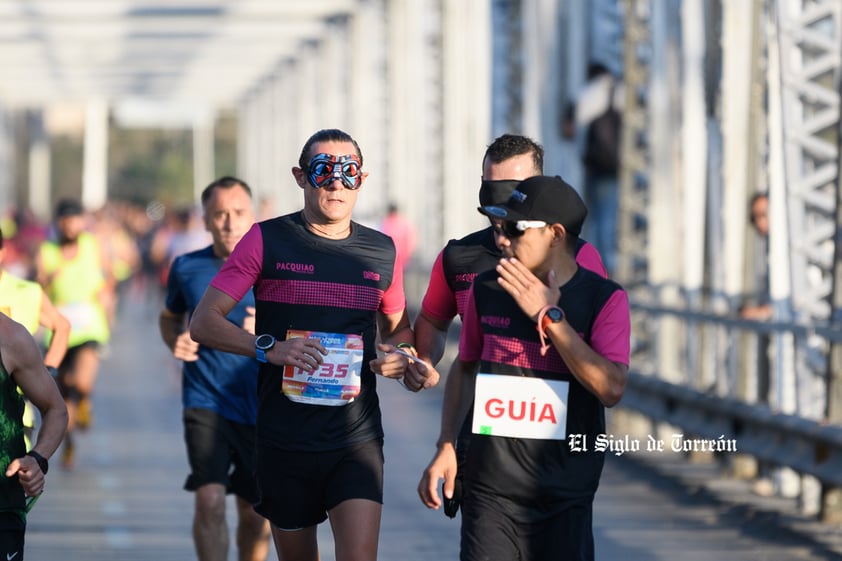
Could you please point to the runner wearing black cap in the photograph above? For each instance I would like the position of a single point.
(544, 349)
(507, 161)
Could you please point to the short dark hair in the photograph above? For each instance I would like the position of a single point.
(596, 68)
(1, 238)
(69, 207)
(511, 145)
(326, 135)
(225, 182)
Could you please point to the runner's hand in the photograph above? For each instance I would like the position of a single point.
(530, 293)
(185, 348)
(420, 376)
(248, 321)
(443, 467)
(29, 474)
(390, 365)
(299, 352)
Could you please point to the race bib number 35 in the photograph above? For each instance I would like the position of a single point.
(520, 407)
(336, 381)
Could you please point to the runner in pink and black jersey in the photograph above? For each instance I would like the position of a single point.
(544, 348)
(508, 160)
(324, 288)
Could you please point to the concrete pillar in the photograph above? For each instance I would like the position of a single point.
(663, 211)
(95, 163)
(285, 193)
(39, 199)
(466, 107)
(203, 155)
(415, 122)
(543, 110)
(780, 288)
(368, 91)
(244, 166)
(7, 160)
(694, 167)
(574, 33)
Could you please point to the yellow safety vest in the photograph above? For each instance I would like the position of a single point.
(74, 288)
(21, 300)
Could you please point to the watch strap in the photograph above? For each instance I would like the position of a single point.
(260, 355)
(42, 461)
(543, 323)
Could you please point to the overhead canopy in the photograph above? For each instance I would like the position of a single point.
(150, 52)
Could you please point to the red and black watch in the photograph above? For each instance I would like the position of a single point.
(553, 314)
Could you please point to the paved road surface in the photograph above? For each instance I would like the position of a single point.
(124, 500)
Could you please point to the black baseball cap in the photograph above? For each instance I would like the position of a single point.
(69, 207)
(549, 199)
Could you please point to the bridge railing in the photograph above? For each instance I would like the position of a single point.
(720, 385)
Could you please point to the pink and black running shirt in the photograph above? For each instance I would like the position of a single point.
(533, 478)
(306, 282)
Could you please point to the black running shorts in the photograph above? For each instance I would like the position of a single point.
(214, 445)
(297, 489)
(488, 532)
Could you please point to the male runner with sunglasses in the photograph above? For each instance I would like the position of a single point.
(324, 287)
(507, 161)
(544, 348)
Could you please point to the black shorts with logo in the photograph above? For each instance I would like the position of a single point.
(12, 534)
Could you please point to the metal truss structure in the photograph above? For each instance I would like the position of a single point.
(775, 127)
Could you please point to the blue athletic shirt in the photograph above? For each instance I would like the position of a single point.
(222, 382)
(306, 282)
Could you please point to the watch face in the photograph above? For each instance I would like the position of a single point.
(555, 314)
(264, 341)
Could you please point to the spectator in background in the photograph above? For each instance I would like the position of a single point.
(402, 232)
(24, 234)
(183, 233)
(595, 121)
(121, 251)
(761, 308)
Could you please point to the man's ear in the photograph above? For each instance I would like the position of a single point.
(300, 177)
(559, 232)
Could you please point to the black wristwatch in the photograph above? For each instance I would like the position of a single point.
(262, 344)
(42, 461)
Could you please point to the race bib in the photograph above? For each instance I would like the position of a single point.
(337, 381)
(81, 315)
(521, 407)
